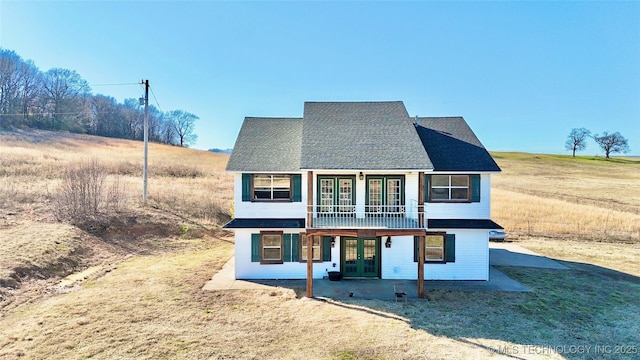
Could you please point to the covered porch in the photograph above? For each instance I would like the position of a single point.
(373, 220)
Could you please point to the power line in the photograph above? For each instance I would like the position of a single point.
(117, 84)
(154, 98)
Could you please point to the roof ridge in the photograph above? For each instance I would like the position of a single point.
(441, 117)
(355, 102)
(273, 118)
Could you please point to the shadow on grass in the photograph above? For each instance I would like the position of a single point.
(581, 313)
(585, 312)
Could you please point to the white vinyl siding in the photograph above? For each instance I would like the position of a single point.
(465, 210)
(277, 210)
(245, 269)
(472, 258)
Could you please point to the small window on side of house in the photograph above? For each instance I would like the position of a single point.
(271, 247)
(271, 187)
(317, 248)
(450, 188)
(434, 248)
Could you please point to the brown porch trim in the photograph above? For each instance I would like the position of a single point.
(421, 240)
(332, 232)
(309, 266)
(401, 232)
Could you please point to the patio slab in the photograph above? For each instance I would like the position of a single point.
(508, 254)
(367, 289)
(500, 254)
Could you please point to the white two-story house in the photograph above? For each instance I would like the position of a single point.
(367, 187)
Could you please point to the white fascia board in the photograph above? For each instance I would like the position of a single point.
(367, 171)
(269, 172)
(444, 172)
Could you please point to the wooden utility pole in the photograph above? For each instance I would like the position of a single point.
(146, 140)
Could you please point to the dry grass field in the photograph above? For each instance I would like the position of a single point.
(134, 284)
(585, 197)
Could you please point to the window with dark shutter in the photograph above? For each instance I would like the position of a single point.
(246, 187)
(255, 247)
(326, 248)
(440, 248)
(450, 248)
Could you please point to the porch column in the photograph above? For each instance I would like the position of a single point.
(310, 241)
(310, 199)
(421, 240)
(421, 217)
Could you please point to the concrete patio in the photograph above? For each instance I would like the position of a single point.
(500, 254)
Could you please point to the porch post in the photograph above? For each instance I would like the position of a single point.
(421, 216)
(309, 199)
(421, 240)
(310, 265)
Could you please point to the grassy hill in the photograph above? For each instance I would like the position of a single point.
(588, 198)
(188, 194)
(128, 283)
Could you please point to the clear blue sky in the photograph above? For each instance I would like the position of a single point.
(523, 74)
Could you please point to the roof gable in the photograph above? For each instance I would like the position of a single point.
(360, 135)
(453, 146)
(267, 144)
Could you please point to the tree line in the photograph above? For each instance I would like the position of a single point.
(610, 143)
(61, 100)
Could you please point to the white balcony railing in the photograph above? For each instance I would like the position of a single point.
(366, 216)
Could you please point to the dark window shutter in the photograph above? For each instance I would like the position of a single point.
(450, 248)
(326, 248)
(295, 247)
(296, 180)
(246, 187)
(475, 188)
(426, 189)
(287, 248)
(255, 247)
(415, 249)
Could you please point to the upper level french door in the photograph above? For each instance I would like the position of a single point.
(336, 195)
(385, 195)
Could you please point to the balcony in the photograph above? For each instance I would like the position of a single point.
(366, 216)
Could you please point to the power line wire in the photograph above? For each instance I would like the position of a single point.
(116, 84)
(154, 98)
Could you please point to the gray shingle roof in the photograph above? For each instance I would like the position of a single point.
(360, 135)
(463, 224)
(267, 144)
(265, 224)
(453, 146)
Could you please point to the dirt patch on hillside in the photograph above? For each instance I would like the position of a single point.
(95, 246)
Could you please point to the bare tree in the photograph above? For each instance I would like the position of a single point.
(612, 143)
(106, 118)
(19, 87)
(10, 63)
(134, 118)
(184, 126)
(30, 89)
(168, 133)
(577, 140)
(65, 91)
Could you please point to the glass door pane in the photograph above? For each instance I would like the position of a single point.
(375, 196)
(350, 257)
(394, 196)
(326, 195)
(369, 257)
(345, 195)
